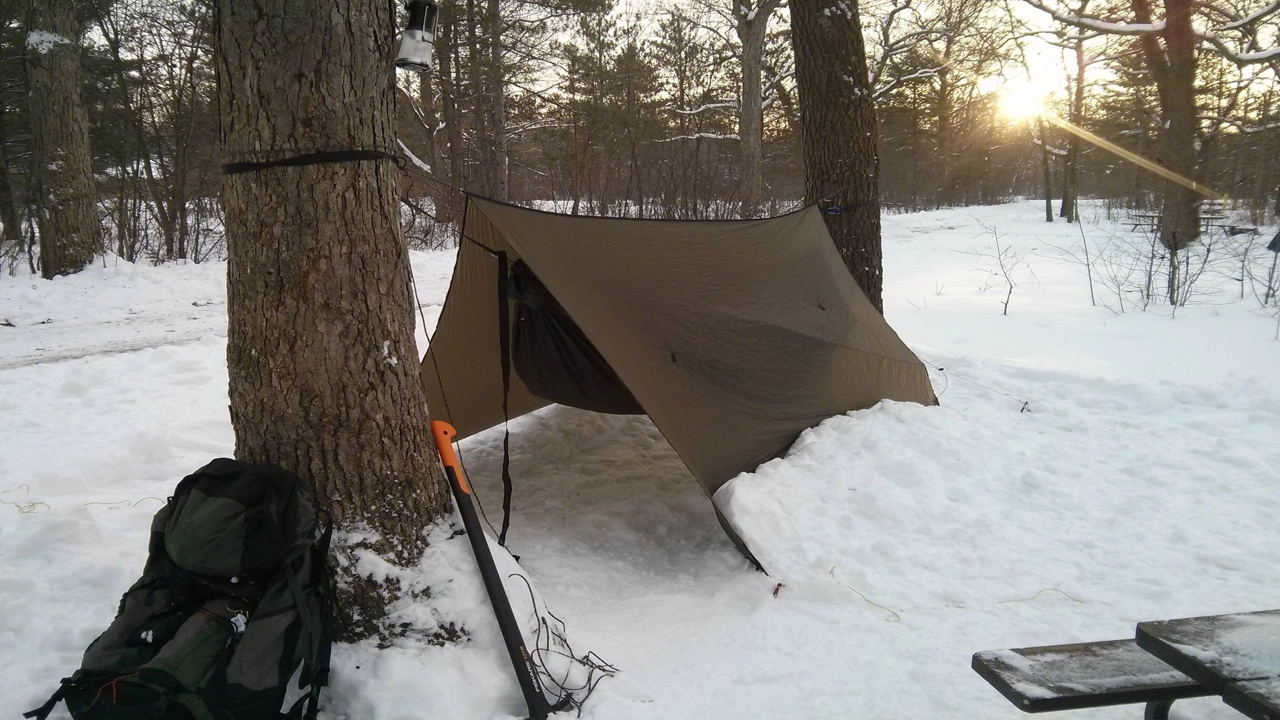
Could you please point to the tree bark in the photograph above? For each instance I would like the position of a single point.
(439, 191)
(482, 139)
(1071, 164)
(65, 201)
(324, 377)
(8, 205)
(1173, 67)
(750, 24)
(498, 90)
(1181, 222)
(838, 133)
(446, 47)
(946, 196)
(1047, 169)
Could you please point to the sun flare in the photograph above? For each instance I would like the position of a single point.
(1021, 102)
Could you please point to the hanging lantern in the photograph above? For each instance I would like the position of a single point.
(417, 43)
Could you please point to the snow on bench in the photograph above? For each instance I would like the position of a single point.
(1259, 699)
(1085, 675)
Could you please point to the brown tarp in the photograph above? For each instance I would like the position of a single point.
(734, 336)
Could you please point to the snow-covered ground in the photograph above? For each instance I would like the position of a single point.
(1087, 469)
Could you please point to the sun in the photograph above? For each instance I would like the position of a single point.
(1021, 101)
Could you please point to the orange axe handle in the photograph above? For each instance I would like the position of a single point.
(444, 434)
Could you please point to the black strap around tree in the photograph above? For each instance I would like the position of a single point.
(504, 349)
(312, 158)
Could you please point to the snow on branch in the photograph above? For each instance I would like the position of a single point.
(414, 158)
(1252, 17)
(1116, 28)
(1237, 57)
(1096, 25)
(42, 41)
(1059, 152)
(768, 6)
(1239, 126)
(898, 82)
(703, 136)
(701, 108)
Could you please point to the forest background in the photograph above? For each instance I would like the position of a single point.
(682, 110)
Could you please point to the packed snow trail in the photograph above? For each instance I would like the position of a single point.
(118, 308)
(1139, 484)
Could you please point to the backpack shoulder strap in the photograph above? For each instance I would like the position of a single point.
(43, 711)
(324, 583)
(315, 611)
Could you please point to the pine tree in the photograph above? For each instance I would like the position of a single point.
(66, 214)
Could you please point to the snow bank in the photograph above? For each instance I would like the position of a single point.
(1079, 497)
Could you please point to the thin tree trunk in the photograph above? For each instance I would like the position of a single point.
(483, 139)
(1070, 166)
(751, 23)
(838, 133)
(438, 191)
(324, 379)
(1045, 160)
(448, 25)
(65, 202)
(8, 206)
(181, 166)
(943, 167)
(497, 90)
(127, 231)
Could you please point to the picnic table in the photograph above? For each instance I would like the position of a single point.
(1151, 221)
(1236, 657)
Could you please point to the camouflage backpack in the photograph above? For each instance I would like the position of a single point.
(231, 619)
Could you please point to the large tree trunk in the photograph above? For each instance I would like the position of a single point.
(838, 132)
(323, 368)
(70, 234)
(1173, 67)
(1181, 219)
(751, 23)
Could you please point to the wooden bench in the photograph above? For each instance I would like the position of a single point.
(1086, 675)
(1259, 699)
(1236, 656)
(1149, 221)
